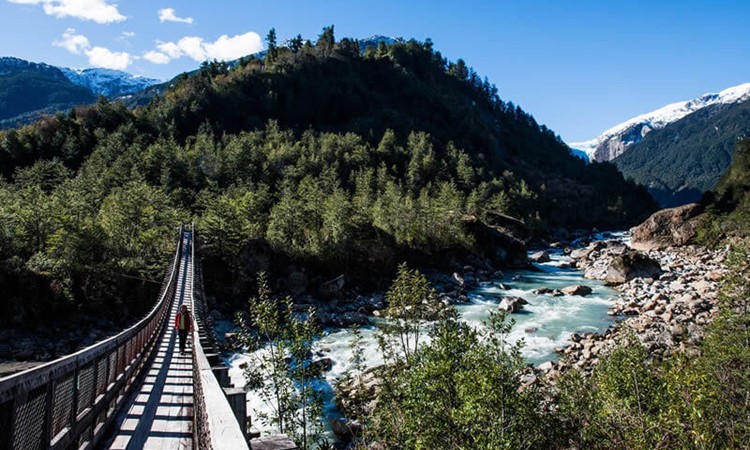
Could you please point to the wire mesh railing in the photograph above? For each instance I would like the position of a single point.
(67, 403)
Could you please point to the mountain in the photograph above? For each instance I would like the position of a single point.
(107, 82)
(616, 140)
(687, 157)
(312, 164)
(30, 90)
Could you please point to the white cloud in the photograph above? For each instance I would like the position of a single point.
(74, 43)
(170, 15)
(97, 10)
(170, 49)
(227, 48)
(104, 57)
(127, 34)
(98, 56)
(193, 47)
(156, 57)
(224, 48)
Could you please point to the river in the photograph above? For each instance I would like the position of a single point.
(545, 323)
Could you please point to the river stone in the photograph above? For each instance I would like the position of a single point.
(512, 304)
(703, 287)
(546, 366)
(539, 257)
(714, 275)
(577, 290)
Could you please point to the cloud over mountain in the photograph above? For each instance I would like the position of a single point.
(224, 48)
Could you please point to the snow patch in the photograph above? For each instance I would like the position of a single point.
(108, 82)
(657, 119)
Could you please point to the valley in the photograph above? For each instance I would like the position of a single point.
(377, 250)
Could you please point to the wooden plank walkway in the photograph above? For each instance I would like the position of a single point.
(159, 414)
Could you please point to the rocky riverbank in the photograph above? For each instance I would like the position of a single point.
(666, 298)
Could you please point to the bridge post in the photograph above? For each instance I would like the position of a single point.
(213, 359)
(238, 401)
(222, 375)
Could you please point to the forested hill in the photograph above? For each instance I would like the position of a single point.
(684, 159)
(318, 155)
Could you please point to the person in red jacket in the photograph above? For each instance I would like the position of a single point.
(183, 323)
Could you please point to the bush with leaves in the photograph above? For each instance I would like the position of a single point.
(281, 370)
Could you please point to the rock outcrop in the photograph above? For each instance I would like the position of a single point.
(500, 244)
(671, 227)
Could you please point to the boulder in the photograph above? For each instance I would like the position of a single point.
(332, 288)
(500, 239)
(546, 366)
(539, 257)
(577, 290)
(703, 287)
(322, 364)
(670, 227)
(630, 265)
(512, 304)
(344, 428)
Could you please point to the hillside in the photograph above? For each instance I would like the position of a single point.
(618, 139)
(687, 157)
(312, 162)
(30, 90)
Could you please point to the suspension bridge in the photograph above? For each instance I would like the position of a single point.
(134, 390)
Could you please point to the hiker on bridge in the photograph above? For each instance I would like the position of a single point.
(183, 323)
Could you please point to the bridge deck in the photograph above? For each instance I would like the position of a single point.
(159, 414)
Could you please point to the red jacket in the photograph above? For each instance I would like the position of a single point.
(188, 320)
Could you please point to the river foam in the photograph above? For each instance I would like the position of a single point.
(544, 324)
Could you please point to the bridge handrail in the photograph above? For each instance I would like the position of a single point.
(68, 402)
(216, 425)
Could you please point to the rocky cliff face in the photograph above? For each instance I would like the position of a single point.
(671, 227)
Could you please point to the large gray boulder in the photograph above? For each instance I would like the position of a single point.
(629, 265)
(512, 304)
(671, 227)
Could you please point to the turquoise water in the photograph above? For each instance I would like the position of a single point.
(544, 324)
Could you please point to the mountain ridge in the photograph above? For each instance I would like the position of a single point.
(616, 140)
(30, 90)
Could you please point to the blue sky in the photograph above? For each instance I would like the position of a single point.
(579, 66)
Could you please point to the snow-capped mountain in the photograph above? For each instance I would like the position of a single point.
(375, 40)
(107, 82)
(613, 142)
